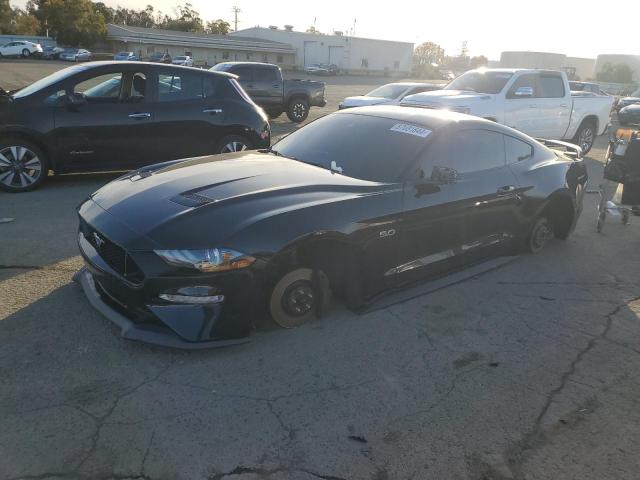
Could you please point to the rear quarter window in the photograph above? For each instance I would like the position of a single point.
(517, 150)
(551, 86)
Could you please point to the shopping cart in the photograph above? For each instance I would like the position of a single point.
(620, 188)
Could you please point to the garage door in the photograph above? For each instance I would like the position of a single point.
(311, 53)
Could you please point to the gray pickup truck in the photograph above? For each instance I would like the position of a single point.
(265, 85)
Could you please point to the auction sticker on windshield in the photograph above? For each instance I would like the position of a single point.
(411, 129)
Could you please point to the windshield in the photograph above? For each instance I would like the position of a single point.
(221, 67)
(48, 81)
(179, 58)
(124, 54)
(480, 82)
(364, 147)
(387, 91)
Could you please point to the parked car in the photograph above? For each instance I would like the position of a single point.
(122, 115)
(264, 83)
(629, 114)
(536, 102)
(51, 53)
(389, 94)
(629, 100)
(76, 55)
(126, 56)
(188, 254)
(184, 60)
(20, 48)
(322, 69)
(160, 57)
(586, 87)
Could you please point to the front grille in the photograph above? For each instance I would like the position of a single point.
(113, 255)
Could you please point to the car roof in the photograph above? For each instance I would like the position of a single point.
(106, 63)
(253, 64)
(413, 84)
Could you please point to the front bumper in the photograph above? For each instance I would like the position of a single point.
(131, 300)
(146, 333)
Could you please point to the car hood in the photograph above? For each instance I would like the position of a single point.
(205, 201)
(438, 98)
(363, 101)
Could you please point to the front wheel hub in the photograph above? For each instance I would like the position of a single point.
(298, 299)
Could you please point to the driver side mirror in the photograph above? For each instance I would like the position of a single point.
(523, 92)
(444, 175)
(76, 100)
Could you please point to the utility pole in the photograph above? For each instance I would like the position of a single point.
(235, 11)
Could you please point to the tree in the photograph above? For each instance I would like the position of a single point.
(26, 24)
(187, 20)
(72, 22)
(479, 61)
(428, 53)
(615, 73)
(312, 29)
(218, 27)
(6, 17)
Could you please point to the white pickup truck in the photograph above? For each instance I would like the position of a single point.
(536, 102)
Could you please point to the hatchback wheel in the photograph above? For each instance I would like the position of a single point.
(233, 143)
(540, 235)
(298, 110)
(26, 53)
(23, 166)
(295, 300)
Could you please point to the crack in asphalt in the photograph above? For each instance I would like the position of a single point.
(267, 472)
(534, 438)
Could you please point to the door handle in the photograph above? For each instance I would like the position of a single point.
(140, 116)
(277, 85)
(212, 111)
(563, 105)
(533, 106)
(507, 189)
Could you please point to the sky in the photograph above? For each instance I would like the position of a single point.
(489, 27)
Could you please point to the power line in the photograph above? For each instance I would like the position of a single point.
(236, 10)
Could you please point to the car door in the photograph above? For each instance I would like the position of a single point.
(111, 126)
(554, 105)
(11, 48)
(267, 86)
(190, 110)
(522, 105)
(467, 209)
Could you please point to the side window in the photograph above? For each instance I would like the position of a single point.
(472, 151)
(266, 75)
(103, 88)
(527, 80)
(551, 86)
(179, 87)
(137, 90)
(245, 74)
(212, 86)
(517, 150)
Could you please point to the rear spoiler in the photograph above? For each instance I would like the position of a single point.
(568, 149)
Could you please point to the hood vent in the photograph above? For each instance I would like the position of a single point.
(191, 199)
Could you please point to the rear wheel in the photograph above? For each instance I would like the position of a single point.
(23, 166)
(585, 136)
(25, 53)
(297, 298)
(233, 143)
(298, 110)
(540, 234)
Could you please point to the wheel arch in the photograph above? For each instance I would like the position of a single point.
(561, 212)
(332, 253)
(32, 137)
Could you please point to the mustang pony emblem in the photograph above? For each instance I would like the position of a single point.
(98, 239)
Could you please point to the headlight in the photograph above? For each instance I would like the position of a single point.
(209, 260)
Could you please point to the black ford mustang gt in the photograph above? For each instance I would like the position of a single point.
(190, 253)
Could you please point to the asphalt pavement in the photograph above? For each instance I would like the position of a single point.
(529, 371)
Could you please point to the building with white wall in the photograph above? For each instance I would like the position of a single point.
(204, 48)
(584, 68)
(350, 54)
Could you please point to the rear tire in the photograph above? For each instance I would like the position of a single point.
(233, 143)
(25, 53)
(539, 235)
(298, 110)
(586, 136)
(23, 165)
